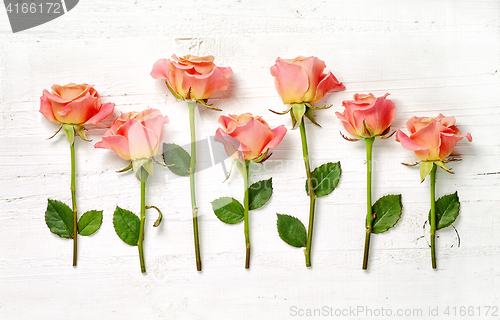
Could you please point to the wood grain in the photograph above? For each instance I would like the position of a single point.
(431, 56)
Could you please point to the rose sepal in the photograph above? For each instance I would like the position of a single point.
(147, 164)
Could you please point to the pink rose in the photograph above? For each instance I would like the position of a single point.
(192, 77)
(73, 103)
(432, 139)
(377, 113)
(301, 80)
(248, 137)
(135, 135)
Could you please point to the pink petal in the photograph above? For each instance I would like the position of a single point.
(347, 125)
(234, 148)
(429, 136)
(254, 135)
(203, 86)
(106, 110)
(279, 134)
(46, 109)
(448, 141)
(421, 151)
(227, 71)
(161, 69)
(55, 98)
(118, 144)
(378, 116)
(314, 68)
(79, 111)
(71, 91)
(143, 143)
(291, 81)
(327, 83)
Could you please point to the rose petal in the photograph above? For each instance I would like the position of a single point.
(105, 110)
(279, 134)
(347, 125)
(233, 147)
(161, 69)
(203, 86)
(254, 135)
(291, 81)
(447, 142)
(46, 109)
(78, 111)
(327, 83)
(118, 144)
(421, 151)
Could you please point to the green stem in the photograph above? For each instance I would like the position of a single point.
(369, 214)
(144, 177)
(245, 173)
(73, 201)
(192, 167)
(433, 215)
(312, 195)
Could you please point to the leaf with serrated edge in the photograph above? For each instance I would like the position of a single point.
(325, 178)
(387, 212)
(291, 230)
(447, 210)
(59, 219)
(259, 193)
(228, 210)
(177, 159)
(127, 226)
(89, 222)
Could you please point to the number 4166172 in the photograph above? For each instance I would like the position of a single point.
(47, 7)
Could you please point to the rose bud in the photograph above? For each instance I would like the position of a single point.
(432, 139)
(136, 136)
(192, 77)
(367, 116)
(74, 105)
(246, 137)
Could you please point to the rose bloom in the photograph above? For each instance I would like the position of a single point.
(135, 135)
(247, 136)
(199, 74)
(74, 104)
(378, 114)
(432, 139)
(302, 80)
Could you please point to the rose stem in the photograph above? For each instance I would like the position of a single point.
(73, 201)
(192, 166)
(245, 174)
(312, 195)
(144, 177)
(369, 214)
(433, 215)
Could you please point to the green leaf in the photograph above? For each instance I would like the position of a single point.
(447, 210)
(127, 226)
(228, 210)
(259, 193)
(59, 219)
(325, 178)
(89, 222)
(177, 159)
(387, 211)
(291, 230)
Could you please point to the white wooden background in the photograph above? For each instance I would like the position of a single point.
(431, 56)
